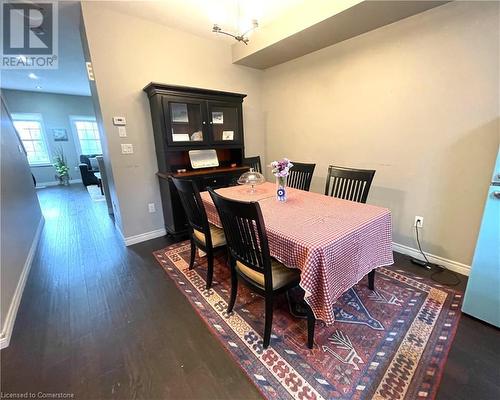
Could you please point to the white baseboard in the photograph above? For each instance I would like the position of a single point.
(10, 319)
(130, 240)
(40, 185)
(448, 264)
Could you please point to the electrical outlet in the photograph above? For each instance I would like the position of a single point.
(151, 207)
(419, 221)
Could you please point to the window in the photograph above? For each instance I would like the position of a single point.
(88, 135)
(30, 131)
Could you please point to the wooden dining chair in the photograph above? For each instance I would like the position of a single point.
(251, 262)
(300, 176)
(202, 234)
(349, 183)
(253, 162)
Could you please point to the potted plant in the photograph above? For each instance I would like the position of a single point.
(61, 166)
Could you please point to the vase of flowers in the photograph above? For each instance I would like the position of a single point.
(62, 169)
(281, 169)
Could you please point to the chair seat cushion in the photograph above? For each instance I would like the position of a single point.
(282, 275)
(218, 238)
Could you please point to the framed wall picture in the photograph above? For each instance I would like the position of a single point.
(180, 137)
(179, 112)
(60, 134)
(217, 117)
(227, 135)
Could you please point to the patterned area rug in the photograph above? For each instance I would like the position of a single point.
(390, 343)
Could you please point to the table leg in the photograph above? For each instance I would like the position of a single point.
(298, 307)
(371, 280)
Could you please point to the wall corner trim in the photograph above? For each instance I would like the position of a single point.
(454, 266)
(142, 237)
(10, 319)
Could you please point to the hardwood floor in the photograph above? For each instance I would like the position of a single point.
(100, 320)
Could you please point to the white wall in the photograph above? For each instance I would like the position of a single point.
(21, 220)
(418, 101)
(55, 110)
(127, 53)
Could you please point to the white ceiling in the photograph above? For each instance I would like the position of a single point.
(308, 29)
(198, 16)
(71, 76)
(194, 16)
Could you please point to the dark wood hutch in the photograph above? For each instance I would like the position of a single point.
(184, 119)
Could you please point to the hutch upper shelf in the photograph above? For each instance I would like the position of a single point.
(198, 118)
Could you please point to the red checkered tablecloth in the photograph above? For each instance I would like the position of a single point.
(334, 242)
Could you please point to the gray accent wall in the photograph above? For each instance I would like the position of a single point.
(417, 100)
(55, 110)
(20, 214)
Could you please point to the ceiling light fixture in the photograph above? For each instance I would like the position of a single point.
(31, 75)
(240, 37)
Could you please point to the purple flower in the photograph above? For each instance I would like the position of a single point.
(281, 168)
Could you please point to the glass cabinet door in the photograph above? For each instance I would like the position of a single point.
(224, 123)
(186, 123)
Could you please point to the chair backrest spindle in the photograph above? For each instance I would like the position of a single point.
(253, 162)
(349, 183)
(245, 234)
(300, 176)
(193, 205)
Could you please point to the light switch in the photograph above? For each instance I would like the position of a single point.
(127, 148)
(119, 121)
(122, 131)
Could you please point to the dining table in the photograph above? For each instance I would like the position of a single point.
(333, 242)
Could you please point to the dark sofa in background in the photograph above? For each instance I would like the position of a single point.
(87, 169)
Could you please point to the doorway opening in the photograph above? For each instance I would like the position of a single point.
(54, 114)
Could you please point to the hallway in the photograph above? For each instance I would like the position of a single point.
(100, 320)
